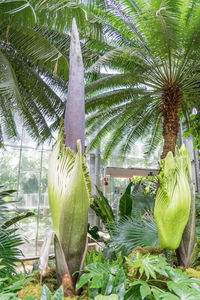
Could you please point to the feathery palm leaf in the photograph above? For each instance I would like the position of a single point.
(9, 250)
(10, 240)
(34, 45)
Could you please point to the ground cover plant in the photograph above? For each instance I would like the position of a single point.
(140, 276)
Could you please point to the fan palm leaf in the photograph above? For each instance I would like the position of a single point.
(129, 233)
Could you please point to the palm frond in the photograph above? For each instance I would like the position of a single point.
(129, 233)
(111, 98)
(155, 139)
(119, 120)
(8, 82)
(30, 43)
(139, 129)
(39, 105)
(113, 81)
(9, 251)
(133, 126)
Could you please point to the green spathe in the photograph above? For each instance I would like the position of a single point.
(69, 197)
(173, 199)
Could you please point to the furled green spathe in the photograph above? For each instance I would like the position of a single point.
(62, 163)
(173, 199)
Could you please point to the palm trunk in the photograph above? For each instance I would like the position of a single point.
(171, 99)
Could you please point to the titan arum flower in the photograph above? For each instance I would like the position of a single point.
(69, 184)
(173, 200)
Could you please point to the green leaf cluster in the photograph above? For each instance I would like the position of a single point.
(194, 130)
(150, 47)
(102, 257)
(47, 295)
(158, 281)
(34, 52)
(9, 286)
(147, 265)
(135, 226)
(10, 240)
(104, 279)
(102, 208)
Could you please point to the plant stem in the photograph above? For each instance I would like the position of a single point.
(169, 256)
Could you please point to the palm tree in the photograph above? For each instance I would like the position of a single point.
(34, 51)
(154, 46)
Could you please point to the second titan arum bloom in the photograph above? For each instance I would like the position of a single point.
(69, 183)
(173, 199)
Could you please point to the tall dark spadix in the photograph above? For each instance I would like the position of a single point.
(74, 124)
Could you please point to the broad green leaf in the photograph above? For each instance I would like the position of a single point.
(59, 295)
(17, 285)
(177, 275)
(183, 290)
(125, 202)
(8, 296)
(119, 284)
(96, 282)
(46, 294)
(169, 296)
(107, 284)
(133, 293)
(102, 207)
(110, 297)
(145, 290)
(85, 278)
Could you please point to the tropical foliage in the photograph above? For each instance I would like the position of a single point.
(34, 52)
(141, 276)
(103, 278)
(131, 232)
(154, 46)
(194, 130)
(10, 240)
(135, 225)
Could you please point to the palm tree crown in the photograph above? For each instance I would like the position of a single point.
(155, 46)
(34, 52)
